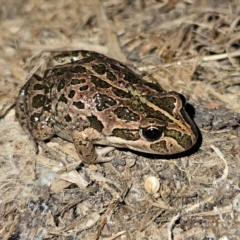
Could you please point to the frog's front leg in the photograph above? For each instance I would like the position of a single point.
(84, 144)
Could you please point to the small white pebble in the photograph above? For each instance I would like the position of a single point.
(152, 184)
(223, 238)
(9, 52)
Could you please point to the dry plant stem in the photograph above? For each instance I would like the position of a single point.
(196, 60)
(64, 47)
(156, 215)
(223, 178)
(192, 208)
(12, 228)
(221, 56)
(70, 205)
(214, 212)
(116, 199)
(9, 103)
(105, 218)
(171, 226)
(114, 235)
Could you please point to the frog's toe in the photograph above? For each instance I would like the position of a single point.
(102, 152)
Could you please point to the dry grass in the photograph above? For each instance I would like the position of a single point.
(189, 46)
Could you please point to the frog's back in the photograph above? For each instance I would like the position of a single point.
(96, 90)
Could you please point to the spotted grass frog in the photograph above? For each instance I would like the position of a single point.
(92, 100)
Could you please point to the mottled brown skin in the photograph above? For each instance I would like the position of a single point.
(90, 99)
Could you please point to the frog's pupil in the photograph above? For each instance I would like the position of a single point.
(151, 133)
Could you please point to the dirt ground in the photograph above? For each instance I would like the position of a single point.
(191, 47)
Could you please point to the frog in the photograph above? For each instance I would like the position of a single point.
(100, 104)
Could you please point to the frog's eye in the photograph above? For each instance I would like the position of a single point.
(152, 133)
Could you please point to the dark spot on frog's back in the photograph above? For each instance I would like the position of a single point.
(68, 118)
(58, 71)
(115, 67)
(99, 68)
(111, 76)
(125, 114)
(98, 82)
(38, 78)
(71, 94)
(95, 123)
(38, 87)
(120, 93)
(61, 58)
(154, 86)
(61, 85)
(63, 99)
(150, 112)
(131, 77)
(38, 101)
(85, 53)
(166, 103)
(78, 105)
(72, 55)
(87, 59)
(76, 81)
(77, 69)
(103, 101)
(93, 55)
(84, 88)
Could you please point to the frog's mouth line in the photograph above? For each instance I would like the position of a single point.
(142, 145)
